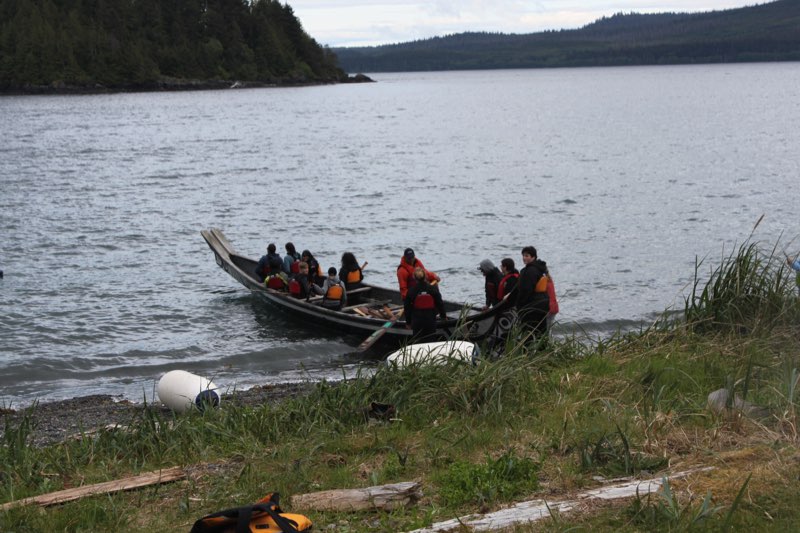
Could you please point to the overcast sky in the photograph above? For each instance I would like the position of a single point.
(367, 23)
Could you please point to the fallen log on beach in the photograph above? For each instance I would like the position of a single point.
(62, 496)
(384, 497)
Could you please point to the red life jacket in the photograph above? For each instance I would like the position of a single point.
(424, 301)
(294, 268)
(295, 289)
(276, 282)
(551, 293)
(501, 289)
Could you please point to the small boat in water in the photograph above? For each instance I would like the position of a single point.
(371, 309)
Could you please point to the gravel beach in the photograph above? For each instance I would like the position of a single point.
(54, 422)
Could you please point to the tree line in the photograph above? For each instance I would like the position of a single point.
(766, 32)
(147, 43)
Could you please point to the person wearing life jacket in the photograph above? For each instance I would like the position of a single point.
(405, 272)
(350, 272)
(269, 263)
(423, 301)
(532, 302)
(492, 277)
(509, 279)
(300, 286)
(314, 270)
(291, 261)
(334, 293)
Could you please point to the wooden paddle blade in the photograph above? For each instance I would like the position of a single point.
(378, 333)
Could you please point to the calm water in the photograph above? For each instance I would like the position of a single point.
(620, 177)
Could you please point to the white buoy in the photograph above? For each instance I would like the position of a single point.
(181, 391)
(436, 353)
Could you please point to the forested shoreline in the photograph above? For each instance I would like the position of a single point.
(96, 45)
(766, 32)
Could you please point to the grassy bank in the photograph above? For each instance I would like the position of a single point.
(533, 424)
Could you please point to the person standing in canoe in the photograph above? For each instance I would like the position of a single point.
(533, 303)
(405, 272)
(421, 304)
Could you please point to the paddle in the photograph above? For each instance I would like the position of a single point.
(378, 333)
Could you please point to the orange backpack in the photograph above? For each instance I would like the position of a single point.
(262, 517)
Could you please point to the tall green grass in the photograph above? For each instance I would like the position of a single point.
(750, 291)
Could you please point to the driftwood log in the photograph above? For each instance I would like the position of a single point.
(385, 497)
(68, 495)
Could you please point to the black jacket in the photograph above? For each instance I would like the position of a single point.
(414, 315)
(529, 276)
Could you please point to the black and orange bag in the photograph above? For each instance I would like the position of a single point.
(265, 516)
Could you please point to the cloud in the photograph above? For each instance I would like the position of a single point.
(362, 23)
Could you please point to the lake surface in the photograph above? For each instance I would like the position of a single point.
(621, 177)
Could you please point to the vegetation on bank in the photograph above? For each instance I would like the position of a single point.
(766, 32)
(532, 424)
(152, 43)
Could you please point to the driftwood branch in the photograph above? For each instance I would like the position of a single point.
(143, 480)
(524, 513)
(386, 497)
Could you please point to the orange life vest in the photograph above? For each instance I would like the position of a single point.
(335, 292)
(354, 276)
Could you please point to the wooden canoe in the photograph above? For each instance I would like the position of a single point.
(366, 310)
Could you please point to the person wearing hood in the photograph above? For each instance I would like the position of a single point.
(334, 293)
(533, 303)
(405, 272)
(492, 277)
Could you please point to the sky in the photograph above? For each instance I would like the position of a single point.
(373, 22)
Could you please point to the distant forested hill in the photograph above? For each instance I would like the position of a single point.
(767, 32)
(128, 44)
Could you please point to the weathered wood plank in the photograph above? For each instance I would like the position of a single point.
(386, 497)
(62, 496)
(534, 510)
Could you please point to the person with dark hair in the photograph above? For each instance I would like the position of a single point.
(492, 278)
(314, 270)
(532, 302)
(421, 304)
(350, 272)
(334, 293)
(291, 261)
(405, 272)
(509, 279)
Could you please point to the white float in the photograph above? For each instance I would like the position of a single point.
(436, 353)
(181, 391)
